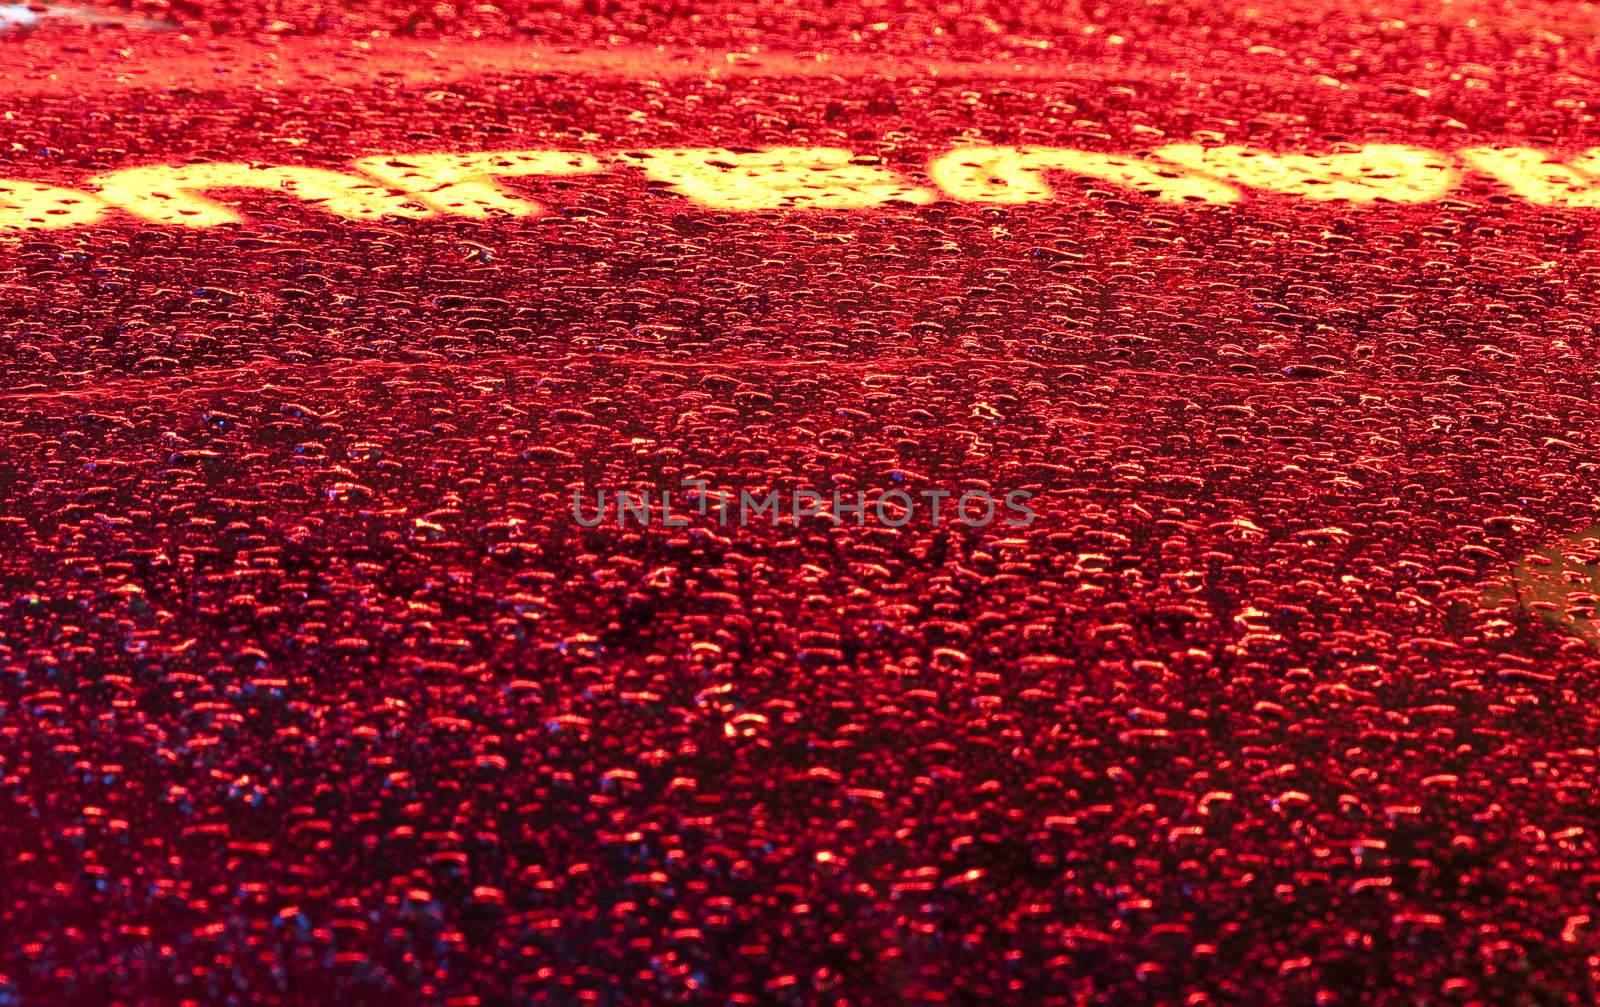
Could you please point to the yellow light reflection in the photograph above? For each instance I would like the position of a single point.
(777, 178)
(464, 184)
(1017, 175)
(31, 206)
(471, 184)
(1558, 583)
(171, 194)
(1537, 177)
(1386, 171)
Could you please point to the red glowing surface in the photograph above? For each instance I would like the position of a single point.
(313, 691)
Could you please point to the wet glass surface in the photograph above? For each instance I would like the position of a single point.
(312, 689)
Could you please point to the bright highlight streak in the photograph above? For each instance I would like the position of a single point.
(778, 178)
(1536, 177)
(31, 206)
(464, 184)
(172, 194)
(799, 178)
(1378, 171)
(1017, 175)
